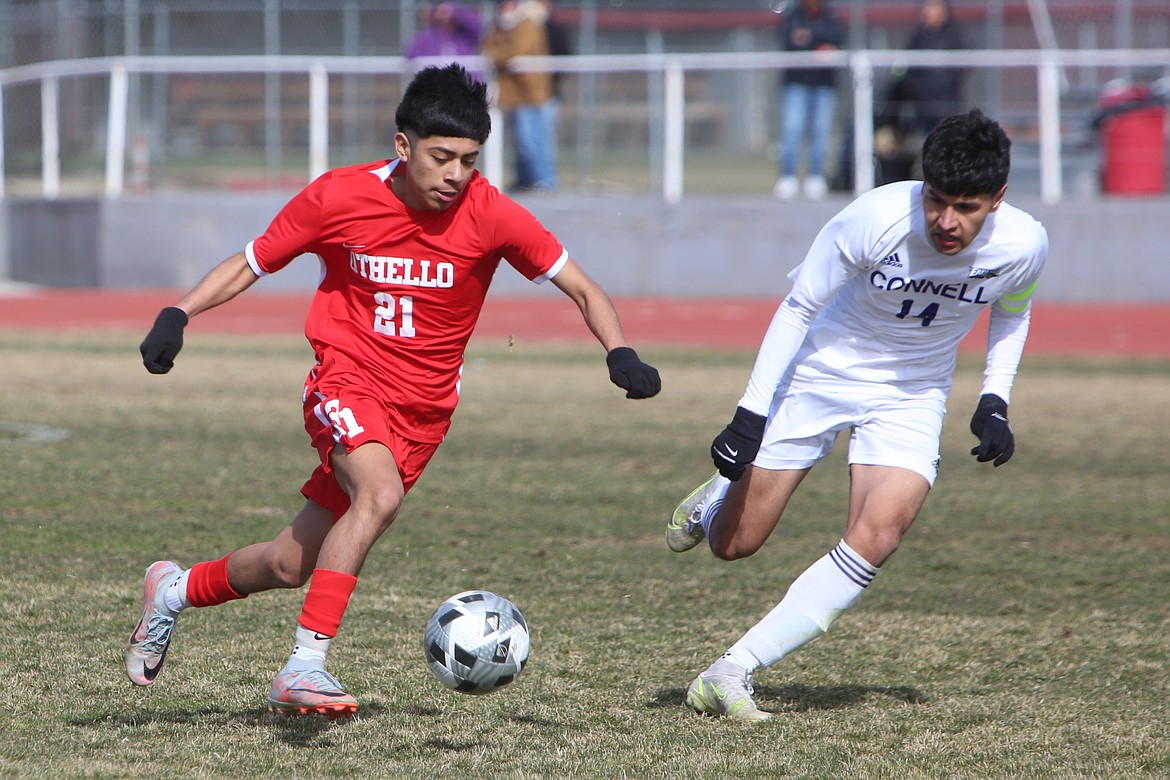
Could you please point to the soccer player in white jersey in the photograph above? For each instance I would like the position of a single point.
(865, 342)
(408, 248)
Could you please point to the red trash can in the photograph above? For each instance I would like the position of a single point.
(1132, 121)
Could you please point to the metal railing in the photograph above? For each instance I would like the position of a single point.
(1050, 67)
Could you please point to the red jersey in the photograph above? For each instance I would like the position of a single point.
(401, 288)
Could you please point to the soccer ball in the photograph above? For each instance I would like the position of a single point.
(476, 642)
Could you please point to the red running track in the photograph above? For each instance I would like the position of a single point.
(1141, 330)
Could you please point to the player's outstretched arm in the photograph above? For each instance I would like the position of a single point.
(626, 369)
(165, 339)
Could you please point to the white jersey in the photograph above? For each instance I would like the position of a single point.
(874, 301)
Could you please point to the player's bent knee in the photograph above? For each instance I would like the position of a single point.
(877, 545)
(733, 549)
(379, 505)
(730, 555)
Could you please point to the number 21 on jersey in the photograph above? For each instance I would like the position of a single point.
(394, 316)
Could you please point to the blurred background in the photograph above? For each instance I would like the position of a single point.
(198, 124)
(126, 123)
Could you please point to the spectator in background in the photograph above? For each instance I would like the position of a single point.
(451, 30)
(558, 46)
(808, 98)
(895, 133)
(933, 93)
(519, 29)
(558, 41)
(918, 98)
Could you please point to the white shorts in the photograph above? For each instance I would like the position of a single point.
(890, 426)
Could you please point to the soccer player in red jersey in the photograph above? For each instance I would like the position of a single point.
(408, 248)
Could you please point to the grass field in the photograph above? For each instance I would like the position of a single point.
(1021, 632)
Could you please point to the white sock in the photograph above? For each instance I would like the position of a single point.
(715, 495)
(309, 651)
(814, 600)
(175, 594)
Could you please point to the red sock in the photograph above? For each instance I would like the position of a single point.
(325, 603)
(207, 584)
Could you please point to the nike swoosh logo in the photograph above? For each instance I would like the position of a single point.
(729, 456)
(710, 690)
(334, 694)
(320, 636)
(150, 672)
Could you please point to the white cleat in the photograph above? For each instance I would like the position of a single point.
(684, 529)
(724, 695)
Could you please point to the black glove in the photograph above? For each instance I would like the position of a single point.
(739, 443)
(990, 424)
(164, 340)
(638, 379)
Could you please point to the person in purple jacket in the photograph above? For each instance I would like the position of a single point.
(453, 30)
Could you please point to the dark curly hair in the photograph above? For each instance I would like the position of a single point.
(967, 154)
(445, 101)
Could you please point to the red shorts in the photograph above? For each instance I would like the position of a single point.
(343, 411)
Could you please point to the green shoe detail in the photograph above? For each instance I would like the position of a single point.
(724, 695)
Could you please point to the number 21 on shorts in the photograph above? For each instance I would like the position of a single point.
(345, 424)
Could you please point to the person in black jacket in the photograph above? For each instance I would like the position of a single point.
(558, 46)
(918, 98)
(933, 92)
(808, 98)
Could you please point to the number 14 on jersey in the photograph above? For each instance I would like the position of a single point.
(926, 315)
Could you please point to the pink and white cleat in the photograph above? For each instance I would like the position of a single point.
(151, 638)
(309, 692)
